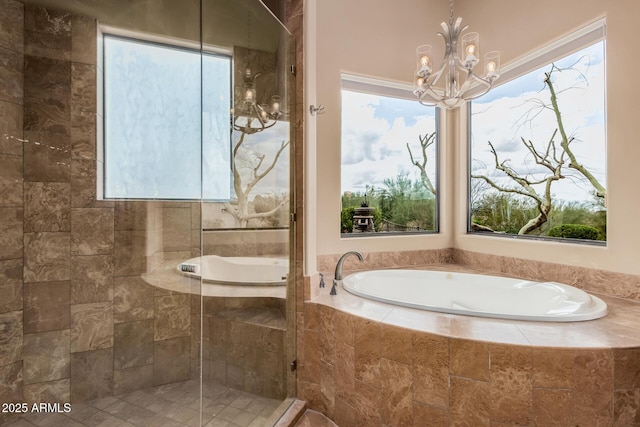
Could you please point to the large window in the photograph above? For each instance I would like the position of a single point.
(538, 152)
(389, 160)
(167, 130)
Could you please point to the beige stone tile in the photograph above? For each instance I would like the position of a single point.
(46, 257)
(47, 153)
(128, 380)
(171, 360)
(469, 403)
(176, 229)
(552, 368)
(429, 416)
(83, 139)
(11, 128)
(11, 236)
(12, 25)
(130, 253)
(397, 343)
(511, 384)
(47, 33)
(11, 180)
(172, 316)
(626, 368)
(91, 279)
(327, 389)
(11, 76)
(553, 407)
(367, 351)
(369, 405)
(11, 338)
(311, 357)
(131, 215)
(46, 356)
(83, 87)
(47, 206)
(91, 326)
(92, 231)
(49, 392)
(133, 299)
(11, 285)
(46, 306)
(431, 370)
(11, 382)
(469, 359)
(83, 40)
(345, 374)
(627, 407)
(91, 374)
(133, 344)
(396, 379)
(593, 385)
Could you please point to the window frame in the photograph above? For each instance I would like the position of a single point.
(556, 50)
(105, 32)
(394, 89)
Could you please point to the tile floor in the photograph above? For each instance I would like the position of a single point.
(171, 405)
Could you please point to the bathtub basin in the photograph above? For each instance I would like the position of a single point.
(477, 295)
(245, 271)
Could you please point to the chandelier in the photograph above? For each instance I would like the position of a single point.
(458, 81)
(252, 117)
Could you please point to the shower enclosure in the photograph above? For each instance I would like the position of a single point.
(146, 259)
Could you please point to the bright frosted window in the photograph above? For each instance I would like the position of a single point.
(539, 169)
(162, 119)
(383, 162)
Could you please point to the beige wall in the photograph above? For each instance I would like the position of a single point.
(380, 40)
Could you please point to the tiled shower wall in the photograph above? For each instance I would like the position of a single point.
(76, 320)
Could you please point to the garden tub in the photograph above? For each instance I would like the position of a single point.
(245, 271)
(477, 295)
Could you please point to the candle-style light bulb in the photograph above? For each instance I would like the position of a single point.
(491, 67)
(471, 49)
(424, 60)
(248, 95)
(420, 82)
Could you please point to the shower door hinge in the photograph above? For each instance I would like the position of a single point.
(292, 69)
(293, 365)
(292, 217)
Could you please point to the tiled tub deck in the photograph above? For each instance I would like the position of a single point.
(364, 363)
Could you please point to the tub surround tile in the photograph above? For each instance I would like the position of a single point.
(431, 370)
(46, 306)
(11, 237)
(397, 379)
(470, 402)
(345, 382)
(369, 403)
(10, 337)
(367, 351)
(91, 326)
(11, 287)
(397, 344)
(91, 279)
(46, 356)
(91, 374)
(553, 407)
(627, 368)
(435, 417)
(593, 384)
(511, 378)
(312, 357)
(46, 257)
(47, 206)
(11, 180)
(552, 368)
(627, 407)
(50, 392)
(327, 389)
(469, 359)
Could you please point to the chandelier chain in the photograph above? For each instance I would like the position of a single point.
(451, 11)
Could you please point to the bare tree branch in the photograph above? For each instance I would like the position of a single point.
(425, 142)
